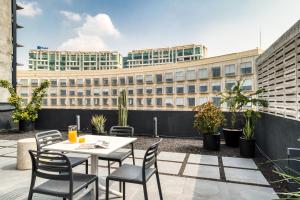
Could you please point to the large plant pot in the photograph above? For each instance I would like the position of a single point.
(26, 125)
(94, 131)
(247, 147)
(211, 141)
(232, 136)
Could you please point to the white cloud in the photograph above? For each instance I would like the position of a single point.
(71, 15)
(93, 33)
(31, 9)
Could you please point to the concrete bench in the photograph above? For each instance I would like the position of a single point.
(23, 157)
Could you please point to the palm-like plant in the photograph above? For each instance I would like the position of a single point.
(236, 99)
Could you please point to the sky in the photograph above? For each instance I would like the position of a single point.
(223, 26)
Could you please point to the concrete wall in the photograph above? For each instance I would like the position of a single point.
(6, 45)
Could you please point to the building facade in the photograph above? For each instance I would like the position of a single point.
(178, 86)
(160, 56)
(73, 60)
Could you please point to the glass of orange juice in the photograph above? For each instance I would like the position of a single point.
(81, 139)
(72, 133)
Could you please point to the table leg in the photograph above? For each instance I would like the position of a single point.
(94, 170)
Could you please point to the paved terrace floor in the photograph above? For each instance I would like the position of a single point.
(183, 177)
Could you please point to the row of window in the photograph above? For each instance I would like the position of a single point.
(178, 89)
(167, 101)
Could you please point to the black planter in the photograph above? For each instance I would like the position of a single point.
(232, 136)
(247, 148)
(211, 141)
(94, 131)
(26, 125)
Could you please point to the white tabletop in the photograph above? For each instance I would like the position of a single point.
(115, 143)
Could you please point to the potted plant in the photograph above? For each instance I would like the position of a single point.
(123, 111)
(208, 120)
(247, 141)
(25, 114)
(236, 99)
(98, 124)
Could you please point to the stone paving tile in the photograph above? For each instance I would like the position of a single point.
(239, 162)
(8, 143)
(138, 162)
(169, 167)
(13, 154)
(4, 141)
(7, 150)
(171, 156)
(202, 171)
(245, 176)
(203, 159)
(139, 153)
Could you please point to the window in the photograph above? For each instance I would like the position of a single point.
(191, 101)
(246, 68)
(63, 92)
(149, 102)
(114, 92)
(216, 101)
(88, 92)
(149, 79)
(53, 92)
(72, 92)
(105, 81)
(169, 77)
(139, 79)
(45, 102)
(191, 75)
(79, 92)
(203, 100)
(180, 89)
(159, 90)
(216, 72)
(23, 82)
(203, 88)
(130, 91)
(24, 101)
(216, 87)
(72, 102)
(169, 101)
(158, 78)
(247, 85)
(139, 91)
(79, 82)
(105, 101)
(179, 101)
(130, 80)
(72, 82)
(24, 91)
(62, 102)
(139, 101)
(96, 82)
(114, 101)
(96, 101)
(130, 102)
(96, 91)
(230, 70)
(53, 83)
(229, 85)
(122, 80)
(180, 76)
(148, 90)
(53, 102)
(79, 101)
(105, 92)
(63, 82)
(88, 82)
(203, 73)
(169, 90)
(34, 82)
(158, 102)
(191, 89)
(114, 81)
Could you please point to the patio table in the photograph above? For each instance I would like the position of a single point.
(115, 143)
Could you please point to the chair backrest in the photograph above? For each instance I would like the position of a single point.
(150, 156)
(52, 166)
(125, 131)
(46, 138)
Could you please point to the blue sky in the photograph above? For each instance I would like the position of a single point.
(224, 26)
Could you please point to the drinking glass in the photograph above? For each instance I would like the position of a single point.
(72, 133)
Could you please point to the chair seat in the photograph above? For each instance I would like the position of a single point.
(61, 188)
(131, 173)
(76, 160)
(116, 156)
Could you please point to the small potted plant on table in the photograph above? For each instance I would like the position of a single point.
(25, 114)
(98, 124)
(208, 120)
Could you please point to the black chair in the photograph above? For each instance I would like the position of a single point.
(138, 174)
(51, 137)
(119, 157)
(57, 170)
